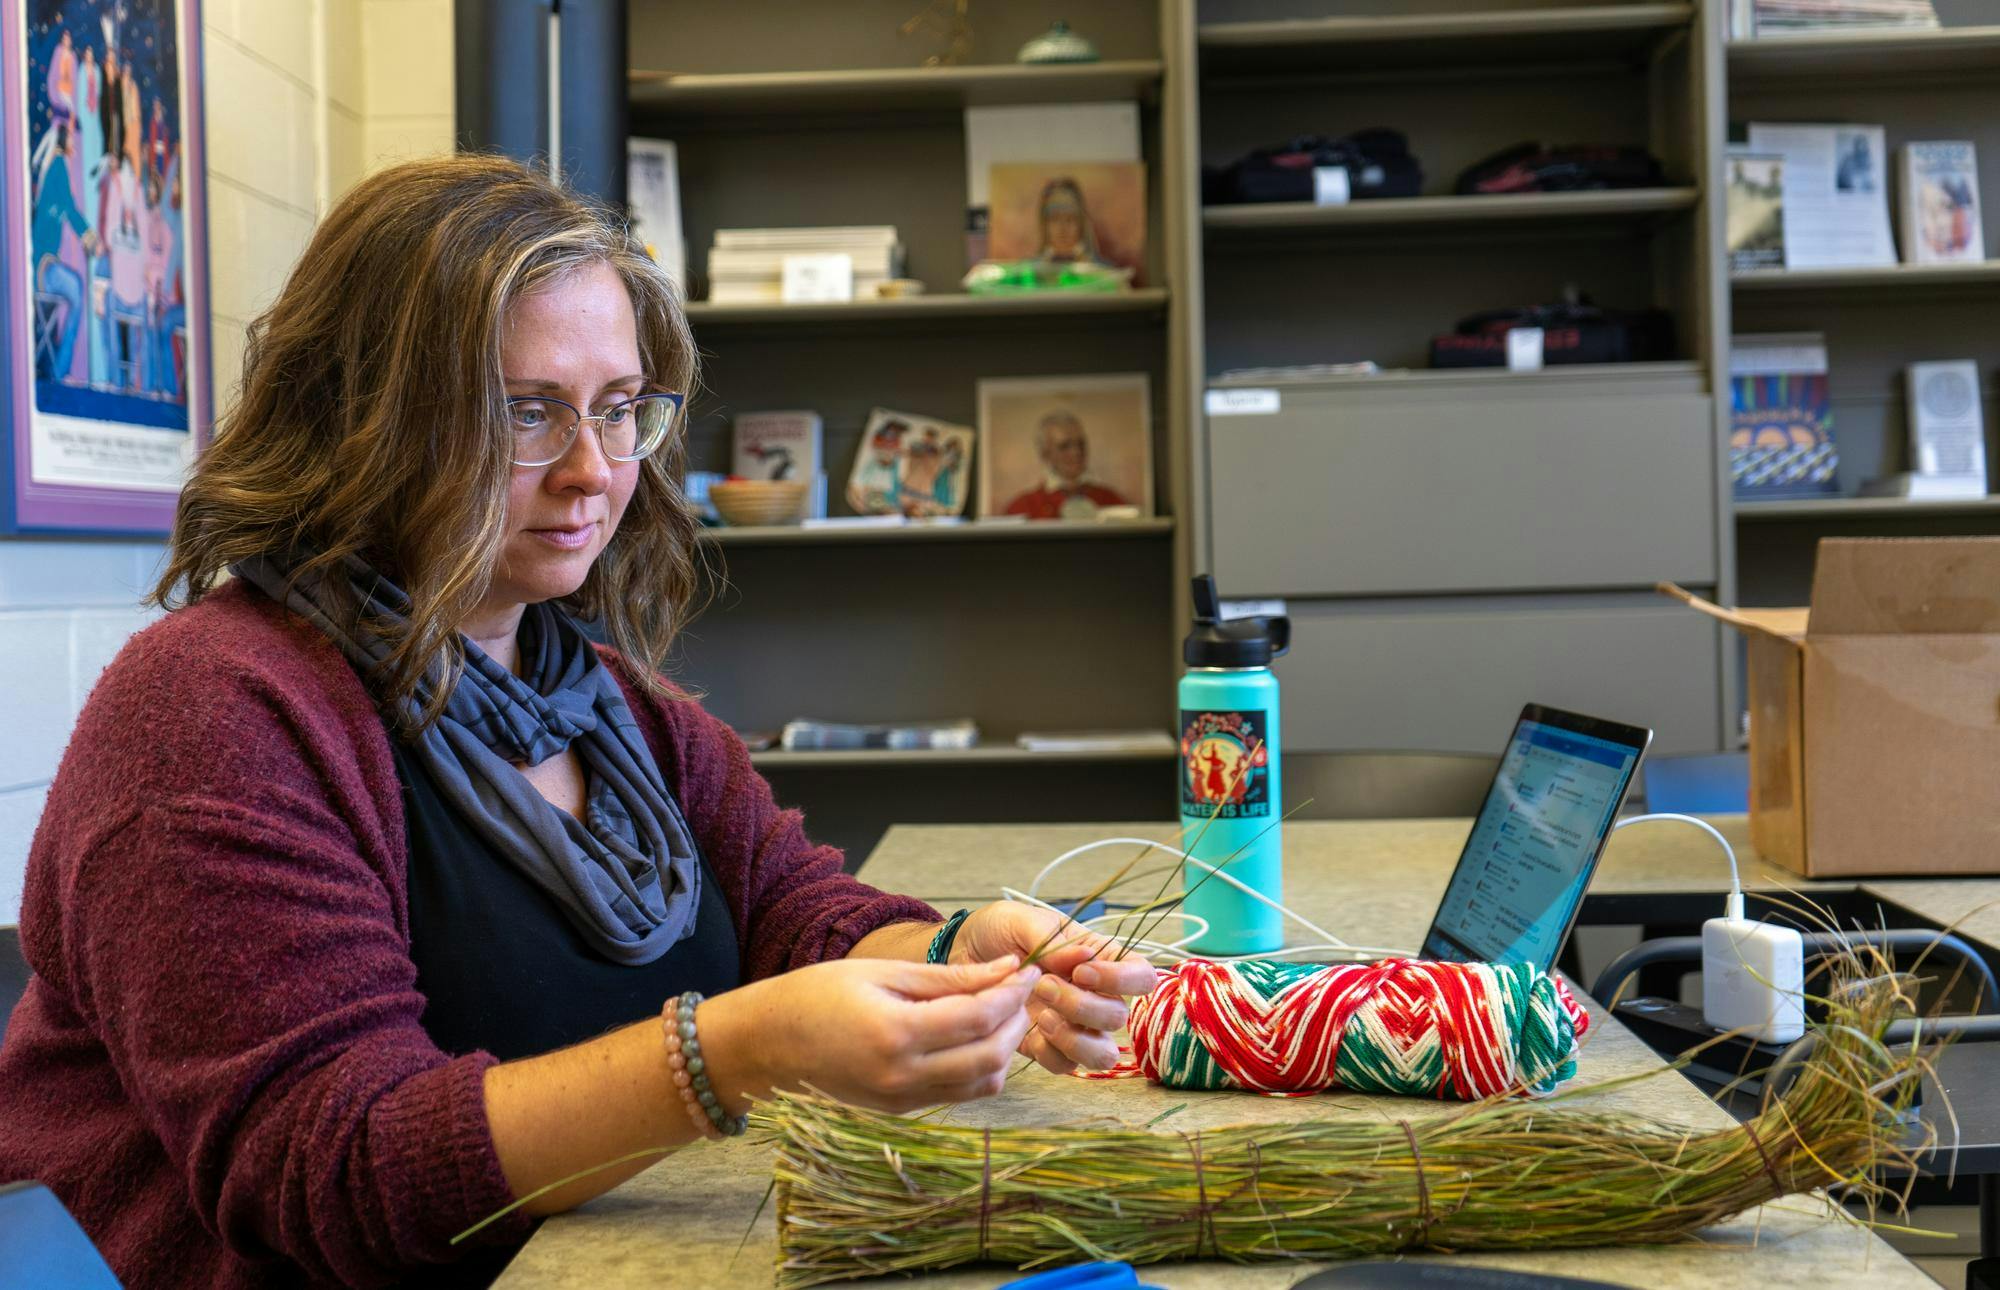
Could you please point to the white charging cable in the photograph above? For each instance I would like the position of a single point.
(1732, 906)
(1177, 949)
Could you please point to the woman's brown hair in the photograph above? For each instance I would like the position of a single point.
(371, 420)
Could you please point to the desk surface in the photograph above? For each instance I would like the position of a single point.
(681, 1221)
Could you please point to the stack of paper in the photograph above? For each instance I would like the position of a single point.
(806, 734)
(747, 265)
(1775, 17)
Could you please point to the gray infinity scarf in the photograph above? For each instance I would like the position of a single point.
(628, 879)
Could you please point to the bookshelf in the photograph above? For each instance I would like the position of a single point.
(1427, 41)
(1415, 627)
(945, 308)
(1157, 527)
(791, 115)
(1941, 84)
(1863, 509)
(1547, 209)
(1910, 279)
(1867, 55)
(767, 94)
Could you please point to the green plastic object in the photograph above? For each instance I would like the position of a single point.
(1026, 277)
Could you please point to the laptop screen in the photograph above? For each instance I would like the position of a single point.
(1535, 844)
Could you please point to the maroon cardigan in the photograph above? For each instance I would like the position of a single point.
(218, 1064)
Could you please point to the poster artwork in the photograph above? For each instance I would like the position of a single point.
(100, 280)
(1224, 765)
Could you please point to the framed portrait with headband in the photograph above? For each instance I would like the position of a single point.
(1070, 212)
(1066, 447)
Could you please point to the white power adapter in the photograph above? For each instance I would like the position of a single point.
(1753, 976)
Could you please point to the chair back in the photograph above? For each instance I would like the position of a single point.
(42, 1246)
(13, 974)
(1387, 785)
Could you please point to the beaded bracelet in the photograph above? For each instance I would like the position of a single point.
(940, 950)
(691, 1072)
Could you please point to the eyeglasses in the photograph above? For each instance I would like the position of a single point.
(544, 428)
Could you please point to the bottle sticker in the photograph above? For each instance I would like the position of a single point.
(1224, 765)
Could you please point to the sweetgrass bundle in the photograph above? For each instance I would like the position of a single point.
(861, 1193)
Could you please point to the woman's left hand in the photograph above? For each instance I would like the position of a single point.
(1079, 1004)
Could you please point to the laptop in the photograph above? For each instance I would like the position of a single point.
(1520, 880)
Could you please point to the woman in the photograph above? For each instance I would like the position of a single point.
(1067, 235)
(365, 878)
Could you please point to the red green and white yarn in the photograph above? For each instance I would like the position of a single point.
(1427, 1029)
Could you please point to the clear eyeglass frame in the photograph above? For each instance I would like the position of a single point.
(663, 409)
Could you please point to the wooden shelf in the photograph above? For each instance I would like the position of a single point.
(778, 94)
(997, 754)
(1449, 212)
(1585, 379)
(1826, 56)
(943, 309)
(1916, 279)
(970, 531)
(1863, 508)
(1620, 31)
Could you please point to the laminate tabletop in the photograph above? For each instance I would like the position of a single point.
(1369, 882)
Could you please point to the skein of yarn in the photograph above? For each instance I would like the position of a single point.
(1421, 1028)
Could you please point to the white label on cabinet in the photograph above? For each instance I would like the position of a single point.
(1232, 609)
(1242, 403)
(1524, 349)
(1330, 186)
(806, 278)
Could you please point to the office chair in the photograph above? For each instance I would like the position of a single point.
(42, 1247)
(1387, 785)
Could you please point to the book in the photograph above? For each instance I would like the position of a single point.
(1041, 132)
(780, 445)
(1835, 204)
(1780, 417)
(1940, 203)
(1755, 233)
(1947, 426)
(807, 734)
(911, 465)
(653, 193)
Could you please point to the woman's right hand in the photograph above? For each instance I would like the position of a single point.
(876, 1032)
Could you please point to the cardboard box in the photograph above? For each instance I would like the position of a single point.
(1875, 715)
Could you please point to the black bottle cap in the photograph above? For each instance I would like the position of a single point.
(1239, 642)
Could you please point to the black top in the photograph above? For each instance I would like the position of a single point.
(499, 965)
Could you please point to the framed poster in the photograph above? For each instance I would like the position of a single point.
(103, 263)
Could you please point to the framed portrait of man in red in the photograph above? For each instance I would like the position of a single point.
(1066, 447)
(103, 263)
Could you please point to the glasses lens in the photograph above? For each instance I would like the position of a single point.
(542, 429)
(648, 420)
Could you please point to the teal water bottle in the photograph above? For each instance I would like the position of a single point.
(1230, 785)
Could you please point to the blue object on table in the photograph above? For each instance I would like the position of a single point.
(1701, 784)
(1083, 1276)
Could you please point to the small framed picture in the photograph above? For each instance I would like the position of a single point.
(910, 465)
(1066, 447)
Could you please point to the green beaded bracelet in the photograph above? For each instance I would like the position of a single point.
(940, 950)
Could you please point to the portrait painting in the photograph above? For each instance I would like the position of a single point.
(1066, 447)
(1073, 212)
